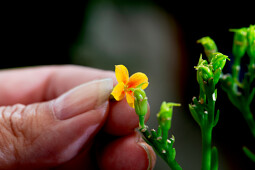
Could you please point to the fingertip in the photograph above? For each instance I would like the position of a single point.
(127, 153)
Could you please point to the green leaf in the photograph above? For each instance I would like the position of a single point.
(216, 119)
(201, 62)
(214, 163)
(172, 154)
(194, 113)
(251, 96)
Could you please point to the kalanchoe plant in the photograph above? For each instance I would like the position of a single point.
(133, 88)
(203, 108)
(241, 93)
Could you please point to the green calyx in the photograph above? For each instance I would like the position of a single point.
(140, 102)
(218, 61)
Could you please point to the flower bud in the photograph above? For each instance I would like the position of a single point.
(165, 115)
(239, 42)
(218, 61)
(251, 42)
(204, 72)
(140, 102)
(209, 46)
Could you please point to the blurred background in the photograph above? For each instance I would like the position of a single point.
(157, 37)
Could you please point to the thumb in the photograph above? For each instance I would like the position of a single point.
(50, 133)
(83, 98)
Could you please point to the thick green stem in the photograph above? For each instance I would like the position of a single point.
(174, 165)
(246, 111)
(206, 148)
(152, 139)
(206, 129)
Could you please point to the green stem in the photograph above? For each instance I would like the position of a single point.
(206, 129)
(246, 111)
(141, 122)
(164, 137)
(206, 148)
(236, 69)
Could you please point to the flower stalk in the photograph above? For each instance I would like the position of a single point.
(203, 108)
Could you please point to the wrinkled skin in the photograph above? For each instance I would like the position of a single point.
(38, 131)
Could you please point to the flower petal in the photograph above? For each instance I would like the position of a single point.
(130, 99)
(118, 91)
(137, 79)
(122, 74)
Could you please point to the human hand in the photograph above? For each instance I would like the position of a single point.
(55, 127)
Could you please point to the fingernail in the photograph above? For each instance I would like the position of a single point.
(82, 98)
(150, 154)
(148, 149)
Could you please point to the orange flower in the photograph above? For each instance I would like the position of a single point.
(126, 84)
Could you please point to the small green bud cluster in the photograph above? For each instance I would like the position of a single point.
(244, 41)
(208, 75)
(210, 71)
